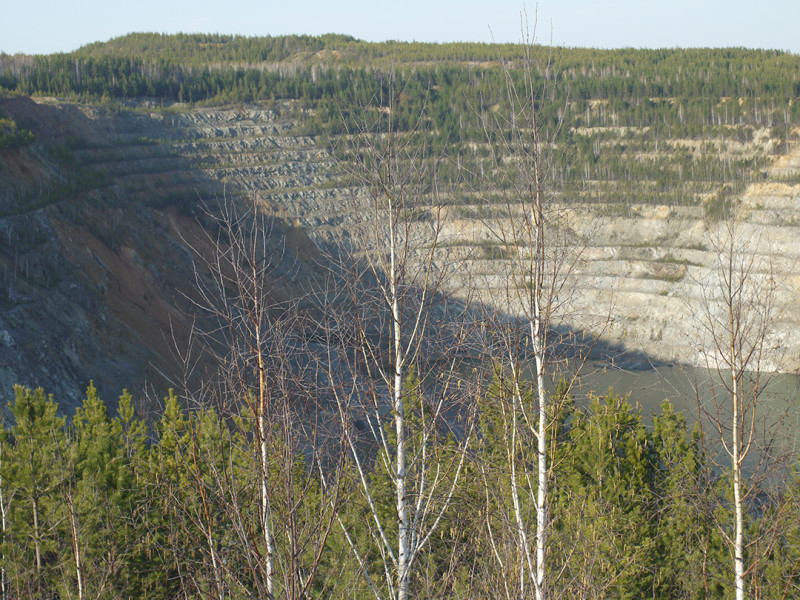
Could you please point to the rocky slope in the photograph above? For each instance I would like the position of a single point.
(98, 280)
(96, 270)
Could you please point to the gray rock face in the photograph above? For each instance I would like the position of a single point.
(94, 279)
(6, 339)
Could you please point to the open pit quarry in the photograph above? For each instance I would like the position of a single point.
(98, 273)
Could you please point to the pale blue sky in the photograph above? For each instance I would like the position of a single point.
(44, 26)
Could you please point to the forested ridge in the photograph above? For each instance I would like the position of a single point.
(106, 67)
(673, 87)
(381, 437)
(628, 102)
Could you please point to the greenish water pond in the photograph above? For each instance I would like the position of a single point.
(690, 390)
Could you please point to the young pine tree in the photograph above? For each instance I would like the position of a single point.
(33, 540)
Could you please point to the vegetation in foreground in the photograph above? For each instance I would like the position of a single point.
(172, 510)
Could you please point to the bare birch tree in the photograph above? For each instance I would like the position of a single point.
(738, 309)
(397, 353)
(256, 337)
(542, 254)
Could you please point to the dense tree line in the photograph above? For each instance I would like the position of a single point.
(612, 112)
(193, 68)
(118, 508)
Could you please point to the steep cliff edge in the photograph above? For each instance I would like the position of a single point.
(96, 276)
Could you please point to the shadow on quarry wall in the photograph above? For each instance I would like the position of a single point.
(97, 280)
(96, 284)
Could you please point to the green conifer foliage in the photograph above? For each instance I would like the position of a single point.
(106, 495)
(604, 500)
(782, 572)
(689, 548)
(92, 510)
(36, 536)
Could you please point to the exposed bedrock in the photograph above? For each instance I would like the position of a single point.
(96, 276)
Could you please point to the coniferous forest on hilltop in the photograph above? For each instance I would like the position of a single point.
(720, 96)
(352, 413)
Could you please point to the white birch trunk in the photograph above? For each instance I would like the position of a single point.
(403, 546)
(538, 338)
(3, 518)
(266, 516)
(738, 543)
(403, 537)
(76, 547)
(526, 560)
(541, 490)
(266, 520)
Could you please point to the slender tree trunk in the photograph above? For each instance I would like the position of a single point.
(525, 558)
(744, 292)
(3, 518)
(738, 543)
(399, 174)
(215, 565)
(36, 541)
(538, 335)
(403, 549)
(736, 459)
(76, 546)
(295, 577)
(541, 491)
(262, 424)
(209, 530)
(266, 517)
